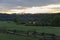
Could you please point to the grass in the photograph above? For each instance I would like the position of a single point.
(12, 25)
(15, 37)
(47, 29)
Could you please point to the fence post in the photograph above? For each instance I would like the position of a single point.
(28, 33)
(34, 33)
(14, 31)
(43, 37)
(53, 37)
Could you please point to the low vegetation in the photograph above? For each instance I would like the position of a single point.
(40, 23)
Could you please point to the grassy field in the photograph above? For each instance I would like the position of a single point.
(46, 29)
(12, 25)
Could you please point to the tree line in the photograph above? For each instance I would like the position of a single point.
(33, 19)
(39, 20)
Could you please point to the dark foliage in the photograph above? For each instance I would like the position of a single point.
(33, 19)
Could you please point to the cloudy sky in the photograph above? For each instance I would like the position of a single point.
(29, 6)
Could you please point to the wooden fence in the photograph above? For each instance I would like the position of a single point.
(41, 36)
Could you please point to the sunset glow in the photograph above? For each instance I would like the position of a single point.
(38, 9)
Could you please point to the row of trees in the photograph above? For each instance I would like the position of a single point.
(53, 20)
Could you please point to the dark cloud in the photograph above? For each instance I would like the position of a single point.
(28, 2)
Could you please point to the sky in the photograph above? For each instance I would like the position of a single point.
(29, 6)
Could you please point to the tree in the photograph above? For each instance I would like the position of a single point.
(56, 21)
(16, 19)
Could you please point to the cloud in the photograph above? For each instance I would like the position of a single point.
(28, 2)
(26, 6)
(40, 9)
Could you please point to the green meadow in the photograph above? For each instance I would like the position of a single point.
(12, 25)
